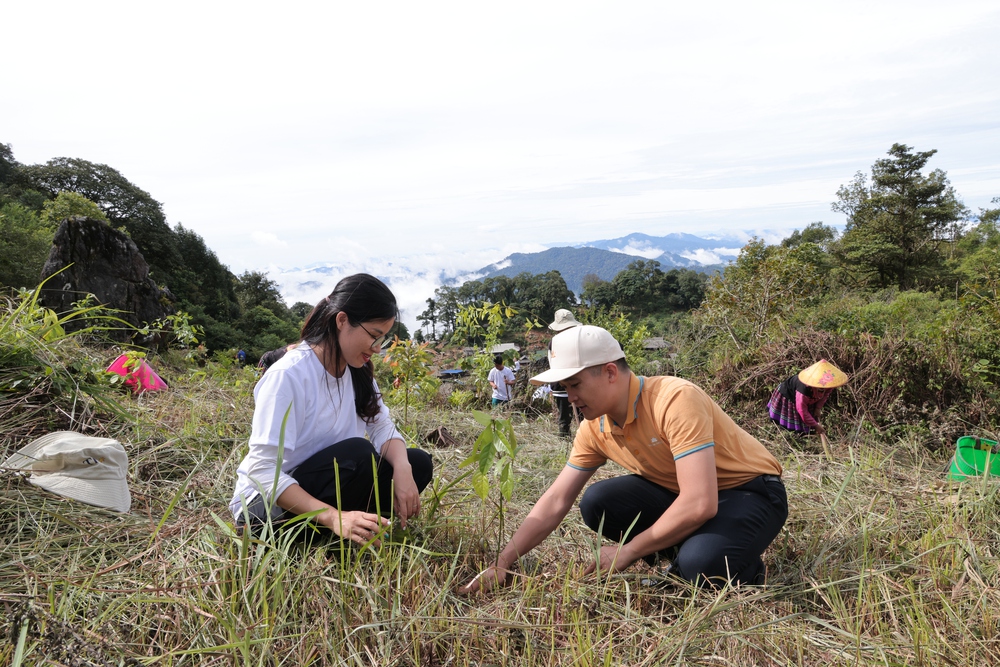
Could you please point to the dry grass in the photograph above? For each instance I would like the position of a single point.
(881, 562)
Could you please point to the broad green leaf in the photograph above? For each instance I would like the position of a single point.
(486, 457)
(484, 437)
(507, 488)
(482, 417)
(480, 485)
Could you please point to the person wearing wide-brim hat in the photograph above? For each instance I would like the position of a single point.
(563, 320)
(797, 403)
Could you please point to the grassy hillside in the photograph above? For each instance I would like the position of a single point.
(882, 560)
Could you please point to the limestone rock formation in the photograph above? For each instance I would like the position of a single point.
(106, 263)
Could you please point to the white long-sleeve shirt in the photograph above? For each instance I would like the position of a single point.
(321, 413)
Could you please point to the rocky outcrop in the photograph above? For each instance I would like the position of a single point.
(106, 263)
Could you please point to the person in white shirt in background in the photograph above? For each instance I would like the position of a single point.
(501, 379)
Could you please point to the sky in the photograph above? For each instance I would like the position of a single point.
(450, 134)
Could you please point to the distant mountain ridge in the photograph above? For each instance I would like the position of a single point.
(606, 258)
(414, 279)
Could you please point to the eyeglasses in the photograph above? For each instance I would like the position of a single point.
(378, 342)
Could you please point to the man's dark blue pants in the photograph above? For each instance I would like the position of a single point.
(726, 548)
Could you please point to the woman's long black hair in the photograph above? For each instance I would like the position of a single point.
(363, 298)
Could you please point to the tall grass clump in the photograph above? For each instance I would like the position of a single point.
(48, 377)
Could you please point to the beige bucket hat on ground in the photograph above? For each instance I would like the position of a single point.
(91, 470)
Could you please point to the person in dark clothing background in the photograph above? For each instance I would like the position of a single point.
(563, 320)
(269, 358)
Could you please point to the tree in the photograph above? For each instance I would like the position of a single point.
(25, 242)
(643, 288)
(254, 289)
(401, 332)
(13, 186)
(763, 286)
(980, 270)
(7, 164)
(598, 293)
(815, 232)
(120, 200)
(429, 316)
(261, 330)
(301, 310)
(125, 204)
(896, 223)
(538, 296)
(203, 280)
(68, 204)
(635, 286)
(446, 307)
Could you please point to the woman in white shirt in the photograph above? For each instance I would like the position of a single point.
(323, 394)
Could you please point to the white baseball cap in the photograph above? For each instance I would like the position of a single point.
(91, 470)
(577, 348)
(563, 320)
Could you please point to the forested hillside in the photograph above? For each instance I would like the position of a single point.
(572, 263)
(907, 299)
(244, 311)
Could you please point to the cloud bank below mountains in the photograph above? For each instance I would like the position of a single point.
(414, 278)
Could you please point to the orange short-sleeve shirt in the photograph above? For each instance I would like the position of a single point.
(670, 418)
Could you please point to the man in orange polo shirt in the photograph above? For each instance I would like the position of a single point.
(703, 490)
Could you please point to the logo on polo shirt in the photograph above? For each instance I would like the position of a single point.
(654, 442)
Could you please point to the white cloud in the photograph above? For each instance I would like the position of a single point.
(715, 256)
(267, 240)
(639, 250)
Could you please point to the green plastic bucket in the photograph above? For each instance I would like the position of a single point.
(973, 457)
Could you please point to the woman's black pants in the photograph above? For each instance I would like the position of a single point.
(344, 476)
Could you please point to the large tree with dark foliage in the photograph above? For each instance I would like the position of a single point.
(897, 221)
(643, 288)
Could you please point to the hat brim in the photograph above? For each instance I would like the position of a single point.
(110, 493)
(26, 457)
(555, 375)
(563, 326)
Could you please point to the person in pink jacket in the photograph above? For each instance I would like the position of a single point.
(797, 403)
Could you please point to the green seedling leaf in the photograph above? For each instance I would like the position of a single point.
(507, 488)
(486, 457)
(480, 485)
(482, 418)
